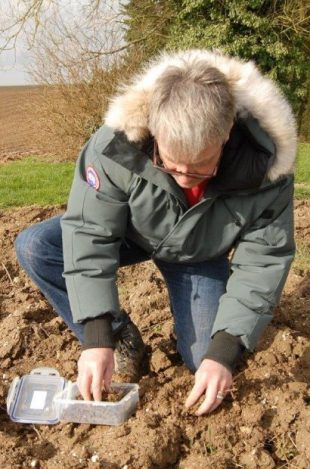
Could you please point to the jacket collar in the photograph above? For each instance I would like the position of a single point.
(137, 158)
(243, 169)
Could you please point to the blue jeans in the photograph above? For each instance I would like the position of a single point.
(194, 289)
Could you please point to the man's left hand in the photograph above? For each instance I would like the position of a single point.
(214, 380)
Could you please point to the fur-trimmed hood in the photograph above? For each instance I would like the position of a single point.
(254, 94)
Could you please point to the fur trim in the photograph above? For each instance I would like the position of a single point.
(253, 92)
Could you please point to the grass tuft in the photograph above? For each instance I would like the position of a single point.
(301, 263)
(32, 180)
(302, 179)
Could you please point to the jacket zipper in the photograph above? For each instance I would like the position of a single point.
(181, 220)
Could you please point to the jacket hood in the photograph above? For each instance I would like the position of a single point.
(255, 95)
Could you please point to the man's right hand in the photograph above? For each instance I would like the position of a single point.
(95, 369)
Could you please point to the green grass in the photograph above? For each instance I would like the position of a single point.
(302, 180)
(34, 181)
(301, 263)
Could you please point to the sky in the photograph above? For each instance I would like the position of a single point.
(12, 71)
(13, 64)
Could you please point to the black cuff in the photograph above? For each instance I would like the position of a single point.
(225, 349)
(98, 333)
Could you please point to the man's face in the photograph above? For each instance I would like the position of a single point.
(188, 175)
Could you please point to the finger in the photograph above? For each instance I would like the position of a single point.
(209, 401)
(218, 402)
(194, 395)
(108, 379)
(97, 385)
(84, 385)
(216, 405)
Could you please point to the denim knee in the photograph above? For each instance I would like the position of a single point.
(28, 246)
(191, 360)
(189, 363)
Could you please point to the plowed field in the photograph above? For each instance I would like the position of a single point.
(265, 423)
(18, 122)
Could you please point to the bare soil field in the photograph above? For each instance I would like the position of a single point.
(265, 423)
(18, 122)
(44, 121)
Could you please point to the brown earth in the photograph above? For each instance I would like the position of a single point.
(264, 424)
(48, 121)
(20, 124)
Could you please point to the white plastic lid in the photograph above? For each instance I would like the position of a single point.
(31, 397)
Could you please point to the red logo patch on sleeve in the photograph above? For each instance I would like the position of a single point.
(92, 178)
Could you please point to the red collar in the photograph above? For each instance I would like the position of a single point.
(194, 194)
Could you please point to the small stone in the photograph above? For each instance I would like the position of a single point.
(94, 458)
(246, 430)
(34, 463)
(257, 458)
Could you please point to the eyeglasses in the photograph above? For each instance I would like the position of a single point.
(158, 163)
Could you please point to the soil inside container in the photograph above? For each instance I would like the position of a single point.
(113, 396)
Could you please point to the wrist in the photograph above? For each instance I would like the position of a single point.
(98, 333)
(225, 349)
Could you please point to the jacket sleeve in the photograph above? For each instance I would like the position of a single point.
(92, 230)
(259, 268)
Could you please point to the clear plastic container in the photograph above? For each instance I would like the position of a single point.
(107, 413)
(45, 397)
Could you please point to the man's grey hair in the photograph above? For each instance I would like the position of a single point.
(191, 107)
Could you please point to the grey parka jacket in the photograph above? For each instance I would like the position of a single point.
(247, 208)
